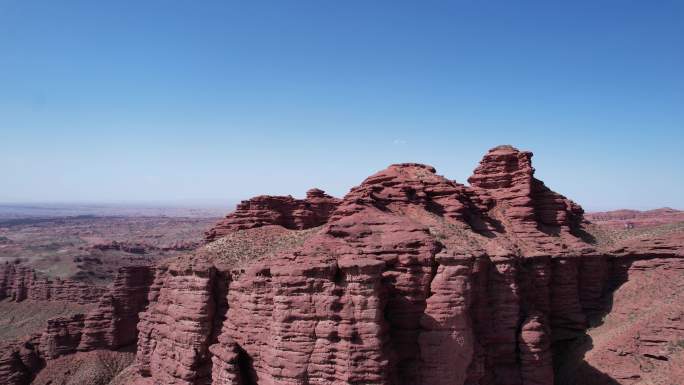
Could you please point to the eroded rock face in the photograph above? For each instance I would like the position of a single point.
(19, 283)
(415, 279)
(62, 336)
(175, 332)
(113, 323)
(19, 361)
(544, 221)
(285, 211)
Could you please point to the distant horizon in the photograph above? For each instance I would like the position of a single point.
(230, 203)
(228, 207)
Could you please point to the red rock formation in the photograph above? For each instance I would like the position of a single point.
(285, 211)
(534, 343)
(175, 331)
(20, 283)
(661, 245)
(395, 288)
(19, 361)
(61, 336)
(446, 339)
(112, 324)
(542, 220)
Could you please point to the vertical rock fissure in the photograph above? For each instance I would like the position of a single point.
(220, 288)
(246, 373)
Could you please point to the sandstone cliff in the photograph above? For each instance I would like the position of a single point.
(19, 283)
(413, 279)
(111, 324)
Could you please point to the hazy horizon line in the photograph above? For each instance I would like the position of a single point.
(216, 204)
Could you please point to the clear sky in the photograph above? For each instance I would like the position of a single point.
(199, 101)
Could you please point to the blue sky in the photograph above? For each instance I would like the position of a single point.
(184, 102)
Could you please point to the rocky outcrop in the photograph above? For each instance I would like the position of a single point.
(175, 332)
(534, 344)
(285, 211)
(414, 279)
(19, 283)
(543, 221)
(113, 323)
(62, 336)
(19, 361)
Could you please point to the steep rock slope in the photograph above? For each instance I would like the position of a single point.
(641, 339)
(414, 279)
(112, 324)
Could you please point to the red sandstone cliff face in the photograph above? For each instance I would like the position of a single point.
(640, 340)
(62, 336)
(19, 283)
(414, 279)
(543, 221)
(112, 324)
(19, 361)
(285, 211)
(175, 331)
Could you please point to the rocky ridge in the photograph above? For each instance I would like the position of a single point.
(414, 279)
(284, 211)
(410, 279)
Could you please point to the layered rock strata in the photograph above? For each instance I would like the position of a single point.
(19, 283)
(62, 336)
(285, 211)
(19, 361)
(414, 279)
(113, 323)
(175, 332)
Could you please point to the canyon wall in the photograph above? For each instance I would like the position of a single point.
(111, 324)
(414, 279)
(19, 283)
